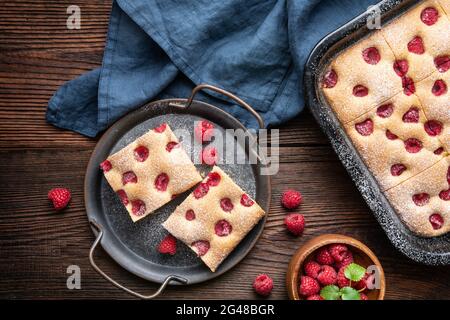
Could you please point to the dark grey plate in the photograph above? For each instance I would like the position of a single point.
(432, 251)
(132, 245)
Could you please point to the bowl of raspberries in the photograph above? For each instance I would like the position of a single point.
(335, 267)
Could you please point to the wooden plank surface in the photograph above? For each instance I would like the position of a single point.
(37, 54)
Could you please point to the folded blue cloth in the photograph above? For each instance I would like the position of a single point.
(156, 49)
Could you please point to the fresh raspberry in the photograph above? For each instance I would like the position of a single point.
(337, 251)
(263, 285)
(171, 145)
(330, 79)
(445, 195)
(364, 296)
(365, 128)
(360, 91)
(312, 269)
(308, 286)
(246, 201)
(209, 156)
(341, 280)
(60, 197)
(412, 115)
(327, 275)
(201, 247)
(385, 111)
(439, 88)
(346, 260)
(138, 207)
(140, 153)
(161, 128)
(412, 145)
(429, 16)
(416, 45)
(201, 190)
(324, 257)
(408, 86)
(438, 151)
(123, 196)
(436, 221)
(291, 199)
(129, 177)
(361, 284)
(421, 199)
(106, 166)
(168, 245)
(161, 182)
(314, 297)
(371, 55)
(190, 215)
(397, 169)
(226, 204)
(433, 127)
(223, 228)
(390, 135)
(203, 131)
(442, 63)
(213, 179)
(401, 67)
(295, 223)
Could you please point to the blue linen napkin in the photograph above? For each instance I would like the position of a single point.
(156, 49)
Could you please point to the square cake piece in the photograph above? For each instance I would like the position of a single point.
(214, 218)
(435, 99)
(148, 172)
(423, 202)
(393, 142)
(360, 78)
(420, 40)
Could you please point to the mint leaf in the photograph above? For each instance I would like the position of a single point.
(330, 292)
(348, 293)
(354, 272)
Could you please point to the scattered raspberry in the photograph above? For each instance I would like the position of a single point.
(360, 91)
(295, 223)
(203, 131)
(308, 286)
(429, 16)
(401, 67)
(411, 116)
(330, 79)
(397, 169)
(209, 156)
(129, 177)
(123, 196)
(171, 145)
(365, 128)
(226, 204)
(161, 128)
(412, 145)
(190, 215)
(436, 221)
(421, 199)
(140, 153)
(223, 228)
(439, 88)
(364, 296)
(433, 127)
(291, 199)
(438, 151)
(161, 182)
(408, 86)
(213, 179)
(385, 111)
(371, 55)
(168, 245)
(324, 257)
(416, 45)
(337, 251)
(246, 201)
(327, 275)
(312, 269)
(60, 197)
(263, 285)
(346, 260)
(105, 166)
(201, 190)
(201, 247)
(442, 63)
(138, 207)
(341, 280)
(445, 195)
(390, 135)
(314, 297)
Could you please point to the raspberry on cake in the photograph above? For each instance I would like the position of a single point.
(423, 202)
(393, 141)
(220, 218)
(149, 171)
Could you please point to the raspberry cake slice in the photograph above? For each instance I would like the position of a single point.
(420, 40)
(360, 78)
(393, 141)
(148, 172)
(435, 98)
(214, 218)
(423, 202)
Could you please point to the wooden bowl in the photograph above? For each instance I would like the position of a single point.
(361, 254)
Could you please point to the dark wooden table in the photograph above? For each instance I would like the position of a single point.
(38, 54)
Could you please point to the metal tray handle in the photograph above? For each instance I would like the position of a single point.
(114, 282)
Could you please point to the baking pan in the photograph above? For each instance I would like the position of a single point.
(431, 251)
(133, 245)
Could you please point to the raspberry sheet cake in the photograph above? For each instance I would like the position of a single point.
(390, 92)
(214, 218)
(150, 171)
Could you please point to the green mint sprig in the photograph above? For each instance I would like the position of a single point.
(353, 272)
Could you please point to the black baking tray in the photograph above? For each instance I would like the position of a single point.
(430, 251)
